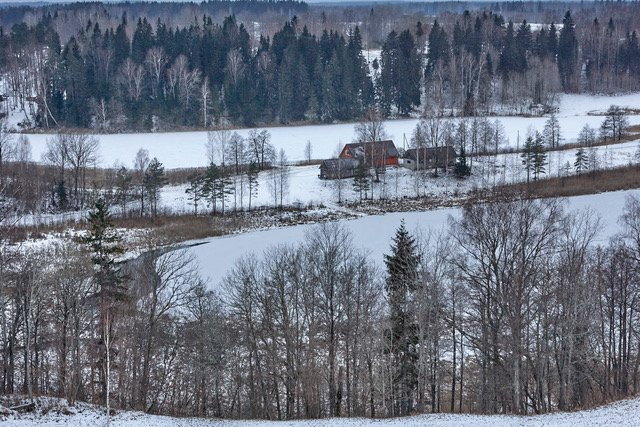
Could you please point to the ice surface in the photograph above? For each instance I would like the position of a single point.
(186, 149)
(373, 233)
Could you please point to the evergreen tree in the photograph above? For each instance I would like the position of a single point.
(462, 169)
(154, 180)
(61, 195)
(211, 184)
(195, 190)
(361, 181)
(142, 40)
(408, 89)
(121, 44)
(110, 294)
(581, 163)
(402, 280)
(539, 159)
(388, 81)
(438, 47)
(568, 55)
(527, 156)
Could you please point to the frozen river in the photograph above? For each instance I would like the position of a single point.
(373, 233)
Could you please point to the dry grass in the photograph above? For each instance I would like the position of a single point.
(623, 178)
(172, 229)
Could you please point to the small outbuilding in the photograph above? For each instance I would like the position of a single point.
(338, 168)
(430, 157)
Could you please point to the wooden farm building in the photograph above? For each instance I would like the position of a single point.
(430, 157)
(338, 168)
(376, 154)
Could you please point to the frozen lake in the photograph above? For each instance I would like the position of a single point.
(373, 233)
(186, 149)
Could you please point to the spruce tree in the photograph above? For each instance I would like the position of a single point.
(154, 180)
(361, 181)
(195, 190)
(110, 292)
(211, 184)
(568, 55)
(527, 156)
(462, 169)
(539, 157)
(402, 280)
(581, 163)
(408, 72)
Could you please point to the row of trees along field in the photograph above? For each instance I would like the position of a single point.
(68, 177)
(166, 77)
(516, 308)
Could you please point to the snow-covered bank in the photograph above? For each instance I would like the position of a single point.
(373, 233)
(622, 413)
(186, 149)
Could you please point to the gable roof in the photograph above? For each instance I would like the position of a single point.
(379, 148)
(429, 154)
(332, 165)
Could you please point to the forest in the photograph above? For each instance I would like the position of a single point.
(523, 303)
(150, 75)
(516, 308)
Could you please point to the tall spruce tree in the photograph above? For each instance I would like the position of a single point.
(539, 157)
(154, 180)
(402, 281)
(581, 163)
(110, 292)
(568, 55)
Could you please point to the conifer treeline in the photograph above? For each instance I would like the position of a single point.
(164, 77)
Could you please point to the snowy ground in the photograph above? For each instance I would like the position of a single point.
(306, 188)
(217, 255)
(623, 413)
(186, 149)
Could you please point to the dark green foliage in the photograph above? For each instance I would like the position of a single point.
(196, 190)
(361, 181)
(539, 157)
(103, 240)
(438, 47)
(527, 156)
(568, 55)
(462, 169)
(216, 186)
(534, 156)
(400, 74)
(402, 280)
(153, 181)
(61, 195)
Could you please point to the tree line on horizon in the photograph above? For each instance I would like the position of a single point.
(165, 77)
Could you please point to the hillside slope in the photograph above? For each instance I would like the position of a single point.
(622, 413)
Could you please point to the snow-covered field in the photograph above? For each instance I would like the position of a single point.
(217, 255)
(624, 413)
(305, 187)
(186, 149)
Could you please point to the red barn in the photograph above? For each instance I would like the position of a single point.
(374, 154)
